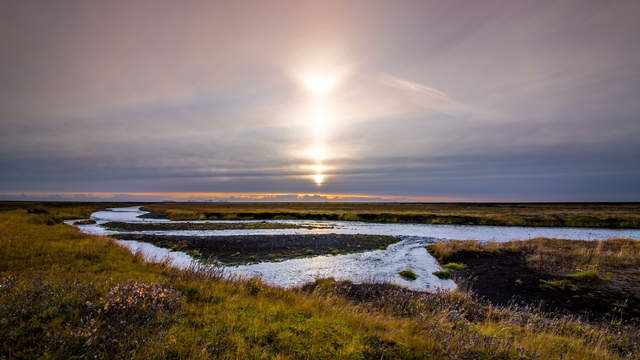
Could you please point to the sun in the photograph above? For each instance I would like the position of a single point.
(319, 84)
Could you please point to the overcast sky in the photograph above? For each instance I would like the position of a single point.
(443, 100)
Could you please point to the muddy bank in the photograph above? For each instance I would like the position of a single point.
(244, 249)
(125, 226)
(509, 276)
(153, 215)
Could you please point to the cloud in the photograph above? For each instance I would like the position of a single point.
(425, 96)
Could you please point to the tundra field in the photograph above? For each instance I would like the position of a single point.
(597, 215)
(65, 294)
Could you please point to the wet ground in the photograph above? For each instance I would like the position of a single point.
(243, 249)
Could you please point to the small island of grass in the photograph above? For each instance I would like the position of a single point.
(408, 275)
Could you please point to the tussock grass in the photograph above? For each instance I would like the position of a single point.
(56, 282)
(590, 276)
(408, 274)
(444, 274)
(454, 266)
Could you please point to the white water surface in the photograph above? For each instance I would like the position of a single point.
(377, 266)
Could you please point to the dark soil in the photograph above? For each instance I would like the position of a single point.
(505, 277)
(124, 226)
(242, 249)
(84, 222)
(153, 215)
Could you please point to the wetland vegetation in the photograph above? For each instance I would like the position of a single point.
(598, 215)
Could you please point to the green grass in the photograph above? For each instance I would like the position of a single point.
(444, 274)
(408, 274)
(70, 295)
(588, 276)
(557, 285)
(454, 266)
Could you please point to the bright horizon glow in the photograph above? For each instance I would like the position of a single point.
(224, 196)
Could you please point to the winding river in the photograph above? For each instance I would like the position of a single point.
(377, 266)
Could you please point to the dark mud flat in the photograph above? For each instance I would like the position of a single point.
(509, 277)
(124, 226)
(242, 249)
(153, 215)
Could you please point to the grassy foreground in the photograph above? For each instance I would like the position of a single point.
(64, 294)
(614, 215)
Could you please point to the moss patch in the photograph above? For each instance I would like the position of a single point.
(408, 274)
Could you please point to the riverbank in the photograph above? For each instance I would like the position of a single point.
(593, 215)
(595, 280)
(243, 249)
(66, 294)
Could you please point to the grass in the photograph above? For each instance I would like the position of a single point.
(63, 210)
(454, 266)
(408, 274)
(444, 274)
(85, 222)
(589, 276)
(64, 294)
(612, 215)
(557, 285)
(554, 255)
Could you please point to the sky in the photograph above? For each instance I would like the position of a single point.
(288, 100)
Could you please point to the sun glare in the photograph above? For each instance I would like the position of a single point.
(319, 84)
(319, 179)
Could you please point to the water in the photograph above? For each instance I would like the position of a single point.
(442, 232)
(377, 266)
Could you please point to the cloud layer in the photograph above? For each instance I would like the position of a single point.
(503, 100)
